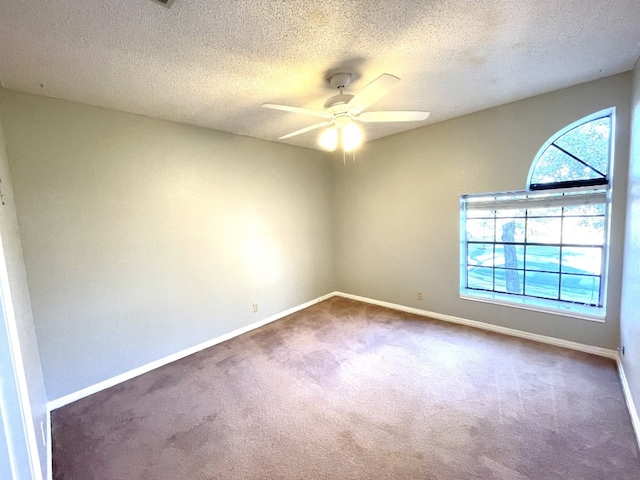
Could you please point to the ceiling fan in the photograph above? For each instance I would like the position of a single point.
(342, 111)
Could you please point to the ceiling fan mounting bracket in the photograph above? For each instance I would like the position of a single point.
(340, 80)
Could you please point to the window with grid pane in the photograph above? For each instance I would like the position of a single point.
(545, 247)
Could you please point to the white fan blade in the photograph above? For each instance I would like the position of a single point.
(304, 111)
(390, 116)
(373, 92)
(306, 129)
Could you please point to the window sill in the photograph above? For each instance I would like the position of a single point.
(594, 314)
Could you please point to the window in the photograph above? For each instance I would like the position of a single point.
(545, 248)
(578, 156)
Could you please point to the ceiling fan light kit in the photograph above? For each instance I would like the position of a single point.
(342, 111)
(328, 139)
(348, 135)
(351, 137)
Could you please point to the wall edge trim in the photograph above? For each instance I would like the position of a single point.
(558, 342)
(633, 411)
(49, 472)
(128, 375)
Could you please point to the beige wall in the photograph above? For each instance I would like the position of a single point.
(630, 311)
(143, 237)
(396, 208)
(17, 309)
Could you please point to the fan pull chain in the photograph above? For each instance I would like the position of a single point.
(344, 156)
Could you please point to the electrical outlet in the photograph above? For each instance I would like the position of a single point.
(255, 307)
(420, 296)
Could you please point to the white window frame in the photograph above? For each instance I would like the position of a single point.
(555, 307)
(537, 199)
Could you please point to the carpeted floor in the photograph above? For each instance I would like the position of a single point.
(346, 390)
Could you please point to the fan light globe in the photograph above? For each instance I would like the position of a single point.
(351, 137)
(329, 139)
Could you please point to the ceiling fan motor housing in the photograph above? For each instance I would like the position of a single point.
(338, 103)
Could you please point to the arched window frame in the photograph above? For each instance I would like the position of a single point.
(606, 113)
(551, 195)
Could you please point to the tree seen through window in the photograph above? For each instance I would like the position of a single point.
(548, 242)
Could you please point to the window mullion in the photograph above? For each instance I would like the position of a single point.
(579, 160)
(524, 258)
(561, 251)
(493, 262)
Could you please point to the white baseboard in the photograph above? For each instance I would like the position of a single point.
(72, 397)
(602, 352)
(123, 377)
(633, 411)
(90, 390)
(49, 472)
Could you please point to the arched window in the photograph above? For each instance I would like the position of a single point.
(545, 248)
(576, 156)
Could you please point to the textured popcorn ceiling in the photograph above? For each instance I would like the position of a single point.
(212, 63)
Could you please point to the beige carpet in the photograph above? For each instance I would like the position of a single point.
(346, 390)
